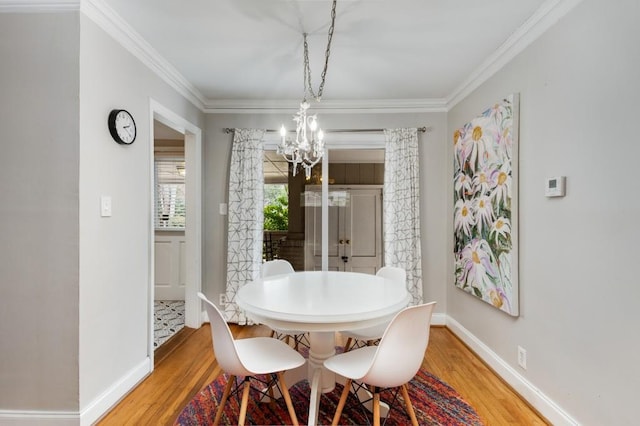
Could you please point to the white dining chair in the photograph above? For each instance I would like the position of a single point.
(278, 267)
(393, 363)
(371, 335)
(248, 358)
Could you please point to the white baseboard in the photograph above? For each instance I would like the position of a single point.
(96, 409)
(439, 319)
(99, 406)
(39, 418)
(541, 402)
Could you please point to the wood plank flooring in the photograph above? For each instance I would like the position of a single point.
(188, 364)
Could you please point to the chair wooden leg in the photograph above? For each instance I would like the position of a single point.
(287, 398)
(225, 395)
(343, 399)
(272, 397)
(296, 339)
(245, 400)
(407, 401)
(376, 406)
(273, 333)
(346, 345)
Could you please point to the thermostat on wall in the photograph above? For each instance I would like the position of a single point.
(555, 187)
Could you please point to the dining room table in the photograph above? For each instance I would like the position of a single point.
(321, 303)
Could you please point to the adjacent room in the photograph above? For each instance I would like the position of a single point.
(319, 211)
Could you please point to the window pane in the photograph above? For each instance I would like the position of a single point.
(276, 207)
(169, 193)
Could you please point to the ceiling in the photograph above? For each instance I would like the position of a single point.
(233, 54)
(249, 52)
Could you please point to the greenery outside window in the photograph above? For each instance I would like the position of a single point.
(169, 193)
(276, 207)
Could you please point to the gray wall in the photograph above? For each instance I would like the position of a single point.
(74, 286)
(114, 266)
(579, 290)
(433, 188)
(39, 115)
(73, 303)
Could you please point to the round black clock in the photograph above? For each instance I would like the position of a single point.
(122, 126)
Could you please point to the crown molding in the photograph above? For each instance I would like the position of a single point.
(546, 16)
(107, 19)
(38, 6)
(336, 106)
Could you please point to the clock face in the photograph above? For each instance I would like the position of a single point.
(122, 126)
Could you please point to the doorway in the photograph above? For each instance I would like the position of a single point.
(169, 233)
(352, 228)
(355, 228)
(353, 163)
(190, 250)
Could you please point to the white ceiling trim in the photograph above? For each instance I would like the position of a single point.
(336, 106)
(547, 15)
(38, 6)
(107, 19)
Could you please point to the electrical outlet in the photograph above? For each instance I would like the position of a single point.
(223, 299)
(522, 357)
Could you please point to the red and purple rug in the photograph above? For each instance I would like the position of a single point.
(434, 402)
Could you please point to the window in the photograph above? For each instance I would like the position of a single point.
(276, 207)
(169, 193)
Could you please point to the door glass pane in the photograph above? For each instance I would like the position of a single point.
(283, 211)
(354, 234)
(276, 204)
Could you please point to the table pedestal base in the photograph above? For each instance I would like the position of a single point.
(320, 379)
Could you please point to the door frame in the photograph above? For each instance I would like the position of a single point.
(193, 228)
(336, 141)
(355, 189)
(333, 141)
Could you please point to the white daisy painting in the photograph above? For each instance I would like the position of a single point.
(485, 205)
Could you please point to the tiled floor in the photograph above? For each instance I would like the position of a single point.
(168, 320)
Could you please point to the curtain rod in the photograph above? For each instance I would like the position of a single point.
(420, 129)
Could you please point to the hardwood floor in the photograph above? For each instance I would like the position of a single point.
(188, 364)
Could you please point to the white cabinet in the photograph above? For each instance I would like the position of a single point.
(355, 229)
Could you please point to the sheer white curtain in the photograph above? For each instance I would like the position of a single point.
(245, 215)
(401, 215)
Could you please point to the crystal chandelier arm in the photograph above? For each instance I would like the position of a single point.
(308, 147)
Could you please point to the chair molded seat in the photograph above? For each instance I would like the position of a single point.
(393, 363)
(248, 358)
(372, 335)
(279, 267)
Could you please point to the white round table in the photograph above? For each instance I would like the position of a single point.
(321, 303)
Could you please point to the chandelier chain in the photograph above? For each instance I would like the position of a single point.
(307, 149)
(307, 69)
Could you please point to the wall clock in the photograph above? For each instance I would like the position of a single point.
(122, 126)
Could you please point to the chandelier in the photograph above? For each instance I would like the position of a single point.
(308, 147)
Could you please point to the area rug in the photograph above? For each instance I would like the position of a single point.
(434, 402)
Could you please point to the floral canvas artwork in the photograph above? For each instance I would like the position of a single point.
(485, 205)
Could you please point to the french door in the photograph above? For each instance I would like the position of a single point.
(342, 229)
(354, 228)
